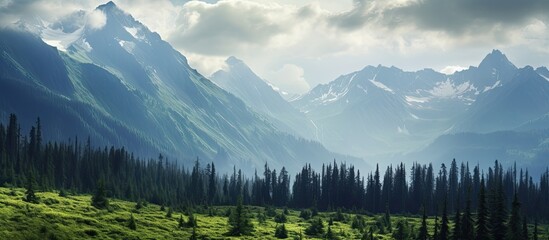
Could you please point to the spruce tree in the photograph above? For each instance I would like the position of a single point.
(281, 232)
(132, 224)
(169, 213)
(456, 235)
(402, 230)
(330, 234)
(482, 214)
(239, 221)
(191, 223)
(316, 227)
(180, 222)
(387, 218)
(99, 199)
(194, 235)
(423, 233)
(444, 225)
(514, 230)
(498, 210)
(30, 196)
(467, 228)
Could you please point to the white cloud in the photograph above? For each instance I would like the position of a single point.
(97, 19)
(289, 78)
(327, 38)
(452, 69)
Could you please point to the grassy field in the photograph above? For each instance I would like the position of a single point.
(72, 217)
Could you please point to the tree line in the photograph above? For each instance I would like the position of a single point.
(76, 166)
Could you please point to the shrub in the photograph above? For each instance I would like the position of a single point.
(132, 224)
(280, 218)
(281, 232)
(316, 227)
(305, 214)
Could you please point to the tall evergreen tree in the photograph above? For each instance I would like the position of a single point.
(456, 235)
(514, 231)
(423, 233)
(498, 212)
(482, 214)
(467, 225)
(453, 185)
(444, 231)
(212, 185)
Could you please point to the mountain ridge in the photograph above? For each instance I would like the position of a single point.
(124, 78)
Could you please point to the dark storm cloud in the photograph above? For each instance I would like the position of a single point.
(458, 16)
(452, 16)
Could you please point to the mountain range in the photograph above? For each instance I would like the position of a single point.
(385, 114)
(121, 84)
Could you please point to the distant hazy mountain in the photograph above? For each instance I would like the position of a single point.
(527, 149)
(383, 111)
(523, 99)
(239, 80)
(122, 84)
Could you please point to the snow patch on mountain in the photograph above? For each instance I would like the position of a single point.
(488, 88)
(126, 45)
(412, 99)
(333, 95)
(381, 85)
(448, 89)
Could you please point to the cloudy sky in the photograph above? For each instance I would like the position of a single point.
(297, 44)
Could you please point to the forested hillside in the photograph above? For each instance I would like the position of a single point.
(77, 167)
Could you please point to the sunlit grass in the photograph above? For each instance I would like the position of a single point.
(73, 217)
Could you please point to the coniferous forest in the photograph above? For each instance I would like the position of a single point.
(481, 203)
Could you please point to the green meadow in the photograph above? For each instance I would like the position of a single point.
(72, 217)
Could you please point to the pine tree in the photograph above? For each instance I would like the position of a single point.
(194, 235)
(316, 227)
(402, 230)
(482, 214)
(191, 223)
(514, 230)
(330, 234)
(387, 218)
(423, 233)
(444, 225)
(498, 210)
(169, 213)
(99, 199)
(281, 232)
(180, 222)
(457, 226)
(239, 221)
(467, 228)
(132, 224)
(30, 196)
